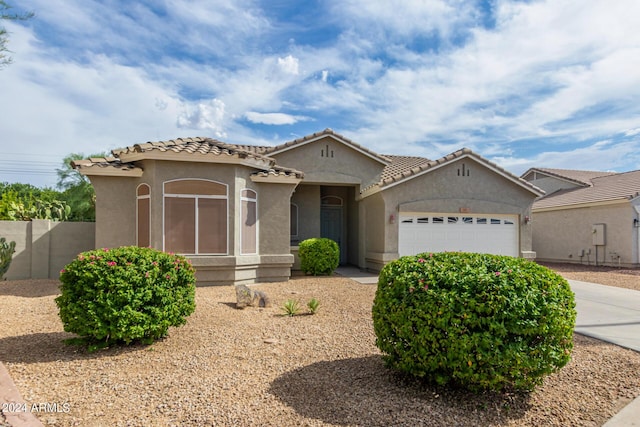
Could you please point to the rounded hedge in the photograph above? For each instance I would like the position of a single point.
(125, 294)
(319, 256)
(479, 321)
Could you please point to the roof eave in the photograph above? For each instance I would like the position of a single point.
(225, 158)
(110, 171)
(276, 179)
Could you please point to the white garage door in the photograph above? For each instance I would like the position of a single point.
(438, 232)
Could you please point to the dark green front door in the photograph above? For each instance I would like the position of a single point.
(331, 227)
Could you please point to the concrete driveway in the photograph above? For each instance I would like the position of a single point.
(608, 313)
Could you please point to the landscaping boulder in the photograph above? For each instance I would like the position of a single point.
(247, 297)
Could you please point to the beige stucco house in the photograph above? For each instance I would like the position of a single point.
(239, 211)
(587, 217)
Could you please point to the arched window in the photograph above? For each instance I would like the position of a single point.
(249, 217)
(331, 201)
(143, 215)
(195, 217)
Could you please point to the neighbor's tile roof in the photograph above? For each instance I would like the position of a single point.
(578, 176)
(609, 186)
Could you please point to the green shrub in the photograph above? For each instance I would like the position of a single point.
(125, 294)
(313, 306)
(319, 256)
(290, 307)
(483, 322)
(7, 250)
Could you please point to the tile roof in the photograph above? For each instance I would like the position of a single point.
(400, 165)
(396, 168)
(104, 163)
(578, 176)
(196, 145)
(200, 145)
(607, 187)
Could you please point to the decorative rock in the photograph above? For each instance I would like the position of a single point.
(247, 297)
(271, 341)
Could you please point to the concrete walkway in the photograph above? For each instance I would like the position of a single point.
(604, 312)
(607, 313)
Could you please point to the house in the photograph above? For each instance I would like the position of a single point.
(586, 217)
(239, 211)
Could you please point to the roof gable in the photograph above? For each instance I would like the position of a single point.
(407, 168)
(296, 143)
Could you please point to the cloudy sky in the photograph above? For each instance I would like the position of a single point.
(523, 83)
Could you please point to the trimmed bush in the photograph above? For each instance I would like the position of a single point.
(319, 256)
(483, 322)
(125, 294)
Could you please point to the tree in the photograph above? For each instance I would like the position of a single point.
(4, 36)
(77, 191)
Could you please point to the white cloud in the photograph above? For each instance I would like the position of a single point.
(273, 118)
(289, 65)
(207, 115)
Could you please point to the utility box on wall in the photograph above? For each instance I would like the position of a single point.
(597, 234)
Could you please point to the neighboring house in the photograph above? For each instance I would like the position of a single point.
(587, 217)
(239, 211)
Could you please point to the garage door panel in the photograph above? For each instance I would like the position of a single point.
(436, 232)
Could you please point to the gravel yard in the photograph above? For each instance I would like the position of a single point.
(255, 367)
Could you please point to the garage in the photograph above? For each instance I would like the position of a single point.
(454, 232)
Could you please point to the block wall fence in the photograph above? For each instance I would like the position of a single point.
(44, 247)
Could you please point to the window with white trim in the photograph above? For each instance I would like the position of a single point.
(249, 227)
(195, 217)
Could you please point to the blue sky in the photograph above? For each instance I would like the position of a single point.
(523, 83)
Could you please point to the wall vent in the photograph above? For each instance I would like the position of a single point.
(463, 171)
(326, 152)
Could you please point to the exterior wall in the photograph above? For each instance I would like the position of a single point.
(372, 232)
(566, 235)
(442, 190)
(116, 219)
(44, 247)
(346, 166)
(307, 197)
(115, 210)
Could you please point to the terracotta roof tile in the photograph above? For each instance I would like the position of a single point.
(400, 164)
(610, 186)
(200, 145)
(104, 162)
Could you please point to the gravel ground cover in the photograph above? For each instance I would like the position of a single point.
(256, 367)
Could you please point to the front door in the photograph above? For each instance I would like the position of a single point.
(331, 227)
